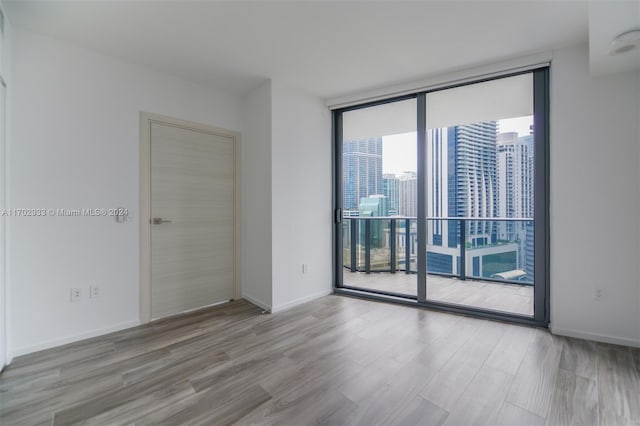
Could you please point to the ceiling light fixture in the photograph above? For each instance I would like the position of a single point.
(628, 40)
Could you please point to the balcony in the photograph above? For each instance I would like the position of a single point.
(483, 263)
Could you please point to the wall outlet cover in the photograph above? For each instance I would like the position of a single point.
(94, 292)
(598, 293)
(76, 294)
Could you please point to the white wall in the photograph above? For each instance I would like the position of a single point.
(301, 196)
(256, 195)
(4, 291)
(287, 197)
(595, 200)
(74, 144)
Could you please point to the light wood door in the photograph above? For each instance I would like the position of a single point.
(192, 211)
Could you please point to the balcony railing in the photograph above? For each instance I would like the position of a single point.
(492, 249)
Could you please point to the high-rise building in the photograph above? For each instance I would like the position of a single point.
(515, 193)
(462, 162)
(515, 175)
(475, 177)
(462, 182)
(391, 188)
(408, 194)
(529, 253)
(362, 170)
(439, 192)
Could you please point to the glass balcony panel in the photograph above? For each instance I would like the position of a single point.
(381, 255)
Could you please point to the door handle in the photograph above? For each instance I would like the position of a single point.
(338, 215)
(159, 221)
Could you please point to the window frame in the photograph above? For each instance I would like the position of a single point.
(541, 316)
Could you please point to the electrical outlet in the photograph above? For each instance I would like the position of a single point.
(94, 292)
(598, 293)
(76, 294)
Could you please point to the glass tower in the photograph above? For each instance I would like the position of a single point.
(362, 170)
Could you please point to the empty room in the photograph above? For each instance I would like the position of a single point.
(320, 212)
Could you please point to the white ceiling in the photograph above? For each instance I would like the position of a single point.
(606, 21)
(328, 48)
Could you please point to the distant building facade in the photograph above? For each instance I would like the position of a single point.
(515, 179)
(474, 172)
(362, 170)
(462, 182)
(408, 194)
(515, 168)
(391, 188)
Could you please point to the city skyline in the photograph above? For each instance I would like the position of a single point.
(399, 151)
(474, 170)
(478, 171)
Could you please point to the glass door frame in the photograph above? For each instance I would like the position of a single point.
(541, 314)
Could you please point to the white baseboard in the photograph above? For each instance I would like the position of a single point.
(301, 300)
(74, 338)
(257, 302)
(615, 340)
(98, 332)
(8, 357)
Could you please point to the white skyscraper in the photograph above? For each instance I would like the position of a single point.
(514, 156)
(515, 175)
(515, 179)
(407, 194)
(438, 177)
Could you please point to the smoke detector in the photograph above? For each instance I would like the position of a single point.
(628, 40)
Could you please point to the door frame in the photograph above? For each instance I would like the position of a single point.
(5, 357)
(146, 119)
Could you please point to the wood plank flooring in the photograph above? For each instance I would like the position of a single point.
(337, 360)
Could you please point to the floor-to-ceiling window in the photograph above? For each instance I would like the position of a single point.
(379, 193)
(441, 197)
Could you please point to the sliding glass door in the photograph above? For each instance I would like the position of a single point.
(441, 198)
(379, 193)
(480, 195)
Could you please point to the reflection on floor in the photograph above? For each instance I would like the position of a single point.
(333, 361)
(512, 298)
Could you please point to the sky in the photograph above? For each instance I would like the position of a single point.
(399, 151)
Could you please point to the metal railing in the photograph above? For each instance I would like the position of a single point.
(491, 249)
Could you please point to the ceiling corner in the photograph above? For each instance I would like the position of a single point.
(608, 19)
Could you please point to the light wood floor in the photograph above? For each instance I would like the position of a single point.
(512, 298)
(337, 360)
